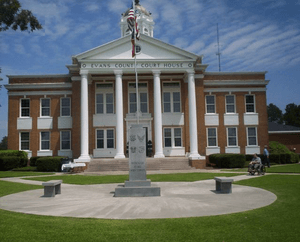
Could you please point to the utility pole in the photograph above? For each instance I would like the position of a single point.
(218, 53)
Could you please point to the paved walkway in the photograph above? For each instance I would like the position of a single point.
(177, 200)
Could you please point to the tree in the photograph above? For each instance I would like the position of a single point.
(3, 144)
(292, 115)
(274, 114)
(12, 16)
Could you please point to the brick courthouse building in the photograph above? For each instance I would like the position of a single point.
(185, 110)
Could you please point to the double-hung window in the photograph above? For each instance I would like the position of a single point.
(25, 107)
(65, 140)
(45, 107)
(252, 136)
(171, 97)
(232, 136)
(212, 137)
(104, 98)
(65, 107)
(250, 104)
(105, 139)
(230, 104)
(45, 140)
(210, 104)
(143, 97)
(24, 141)
(172, 137)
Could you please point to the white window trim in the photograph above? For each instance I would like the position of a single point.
(236, 131)
(21, 108)
(254, 100)
(41, 108)
(217, 145)
(105, 139)
(20, 141)
(255, 137)
(234, 103)
(173, 137)
(104, 91)
(62, 140)
(49, 141)
(210, 104)
(62, 107)
(141, 90)
(171, 90)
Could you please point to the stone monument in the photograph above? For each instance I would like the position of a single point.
(137, 185)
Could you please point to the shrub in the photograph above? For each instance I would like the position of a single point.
(278, 148)
(16, 153)
(33, 159)
(228, 160)
(275, 158)
(9, 162)
(49, 163)
(294, 158)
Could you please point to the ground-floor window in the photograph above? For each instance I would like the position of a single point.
(24, 141)
(65, 140)
(212, 140)
(45, 140)
(105, 139)
(173, 137)
(252, 136)
(232, 136)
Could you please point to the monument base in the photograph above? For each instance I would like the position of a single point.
(137, 192)
(137, 183)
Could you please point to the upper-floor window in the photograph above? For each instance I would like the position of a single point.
(65, 140)
(171, 97)
(25, 107)
(143, 97)
(104, 98)
(65, 107)
(252, 136)
(212, 137)
(232, 136)
(210, 104)
(45, 107)
(172, 137)
(230, 104)
(24, 141)
(250, 104)
(45, 140)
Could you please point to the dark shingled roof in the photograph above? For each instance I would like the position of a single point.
(274, 127)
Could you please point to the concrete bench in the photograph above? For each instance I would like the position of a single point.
(51, 188)
(223, 184)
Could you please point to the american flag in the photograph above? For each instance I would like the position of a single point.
(133, 27)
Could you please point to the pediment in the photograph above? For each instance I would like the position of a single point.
(151, 49)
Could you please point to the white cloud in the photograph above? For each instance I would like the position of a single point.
(4, 47)
(91, 7)
(118, 6)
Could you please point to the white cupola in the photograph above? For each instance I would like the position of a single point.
(144, 19)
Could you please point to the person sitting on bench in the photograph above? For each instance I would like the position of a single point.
(255, 163)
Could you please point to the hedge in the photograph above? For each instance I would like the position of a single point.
(10, 156)
(49, 163)
(228, 160)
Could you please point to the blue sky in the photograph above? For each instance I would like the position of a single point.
(255, 35)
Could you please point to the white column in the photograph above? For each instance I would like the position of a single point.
(194, 155)
(157, 116)
(84, 117)
(119, 113)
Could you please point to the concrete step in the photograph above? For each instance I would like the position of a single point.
(168, 163)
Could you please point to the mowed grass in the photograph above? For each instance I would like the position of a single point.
(287, 168)
(87, 180)
(4, 174)
(276, 222)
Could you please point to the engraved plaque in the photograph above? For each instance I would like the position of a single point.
(137, 153)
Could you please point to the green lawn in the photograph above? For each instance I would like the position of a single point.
(87, 180)
(277, 222)
(4, 174)
(287, 168)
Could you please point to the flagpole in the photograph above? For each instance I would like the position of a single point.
(135, 69)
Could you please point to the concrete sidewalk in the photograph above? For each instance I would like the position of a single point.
(177, 200)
